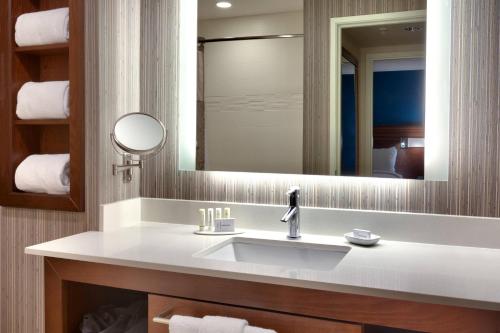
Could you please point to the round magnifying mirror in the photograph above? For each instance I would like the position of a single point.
(139, 134)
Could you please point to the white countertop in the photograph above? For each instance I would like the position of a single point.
(456, 275)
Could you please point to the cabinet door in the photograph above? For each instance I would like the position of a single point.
(282, 323)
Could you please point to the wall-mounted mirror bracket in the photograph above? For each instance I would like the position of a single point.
(127, 168)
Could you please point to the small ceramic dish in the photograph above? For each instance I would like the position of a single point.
(362, 241)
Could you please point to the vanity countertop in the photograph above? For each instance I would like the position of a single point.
(441, 274)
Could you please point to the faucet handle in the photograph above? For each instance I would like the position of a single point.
(293, 195)
(293, 190)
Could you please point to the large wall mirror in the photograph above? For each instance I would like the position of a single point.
(389, 90)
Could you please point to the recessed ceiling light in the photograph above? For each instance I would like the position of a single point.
(224, 4)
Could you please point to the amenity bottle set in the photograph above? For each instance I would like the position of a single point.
(221, 223)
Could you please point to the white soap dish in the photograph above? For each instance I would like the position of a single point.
(372, 240)
(218, 233)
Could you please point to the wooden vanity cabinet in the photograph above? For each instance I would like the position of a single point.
(283, 323)
(70, 292)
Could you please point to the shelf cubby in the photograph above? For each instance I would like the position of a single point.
(44, 49)
(21, 138)
(42, 122)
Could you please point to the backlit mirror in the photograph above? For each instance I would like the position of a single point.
(388, 90)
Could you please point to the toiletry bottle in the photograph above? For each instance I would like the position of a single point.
(210, 219)
(227, 213)
(203, 220)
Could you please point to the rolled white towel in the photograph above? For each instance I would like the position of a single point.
(252, 329)
(43, 28)
(216, 324)
(44, 174)
(43, 100)
(184, 324)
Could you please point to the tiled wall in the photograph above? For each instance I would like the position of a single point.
(474, 186)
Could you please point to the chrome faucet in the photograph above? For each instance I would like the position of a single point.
(292, 215)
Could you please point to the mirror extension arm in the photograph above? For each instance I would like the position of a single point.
(126, 168)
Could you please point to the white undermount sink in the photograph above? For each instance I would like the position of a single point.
(277, 253)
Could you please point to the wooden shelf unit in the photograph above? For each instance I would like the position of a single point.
(21, 138)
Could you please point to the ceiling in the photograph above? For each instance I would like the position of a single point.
(208, 10)
(386, 35)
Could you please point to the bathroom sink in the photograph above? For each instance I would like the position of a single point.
(277, 253)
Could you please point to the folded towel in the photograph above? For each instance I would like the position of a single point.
(184, 324)
(216, 324)
(44, 174)
(45, 100)
(119, 326)
(252, 329)
(91, 324)
(43, 28)
(113, 319)
(141, 326)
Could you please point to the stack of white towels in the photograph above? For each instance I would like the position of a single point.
(212, 324)
(43, 173)
(43, 100)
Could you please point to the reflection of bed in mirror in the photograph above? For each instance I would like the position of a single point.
(397, 162)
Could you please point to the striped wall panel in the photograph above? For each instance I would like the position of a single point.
(118, 76)
(159, 35)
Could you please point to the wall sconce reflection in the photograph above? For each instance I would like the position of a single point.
(412, 143)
